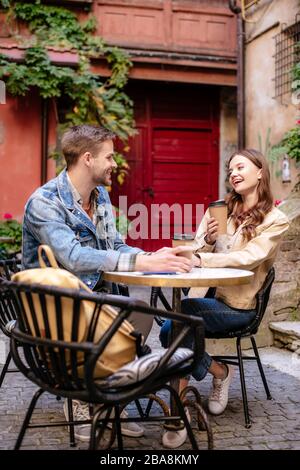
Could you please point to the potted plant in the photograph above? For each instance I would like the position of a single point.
(10, 236)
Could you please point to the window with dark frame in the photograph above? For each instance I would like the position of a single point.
(287, 54)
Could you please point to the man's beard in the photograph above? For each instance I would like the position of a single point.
(104, 181)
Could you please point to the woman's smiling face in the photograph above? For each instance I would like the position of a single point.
(243, 175)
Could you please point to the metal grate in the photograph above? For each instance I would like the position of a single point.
(287, 54)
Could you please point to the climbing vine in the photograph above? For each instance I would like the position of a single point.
(90, 99)
(290, 143)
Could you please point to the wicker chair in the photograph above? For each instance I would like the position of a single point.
(262, 298)
(7, 316)
(52, 364)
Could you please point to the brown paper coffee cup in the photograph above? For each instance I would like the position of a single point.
(218, 210)
(188, 253)
(182, 242)
(182, 239)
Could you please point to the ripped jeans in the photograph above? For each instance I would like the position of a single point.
(217, 316)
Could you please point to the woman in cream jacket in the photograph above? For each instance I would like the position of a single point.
(254, 231)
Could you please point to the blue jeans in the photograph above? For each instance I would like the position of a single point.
(218, 318)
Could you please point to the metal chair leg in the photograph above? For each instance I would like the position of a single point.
(203, 422)
(96, 442)
(27, 418)
(140, 409)
(157, 293)
(118, 428)
(163, 300)
(5, 368)
(71, 426)
(243, 383)
(93, 440)
(261, 370)
(180, 408)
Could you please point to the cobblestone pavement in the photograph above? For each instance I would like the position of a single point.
(276, 423)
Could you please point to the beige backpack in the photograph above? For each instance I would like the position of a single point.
(122, 347)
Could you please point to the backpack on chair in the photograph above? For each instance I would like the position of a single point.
(122, 347)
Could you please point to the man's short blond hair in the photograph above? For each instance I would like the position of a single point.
(83, 138)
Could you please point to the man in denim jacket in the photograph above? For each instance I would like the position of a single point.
(73, 215)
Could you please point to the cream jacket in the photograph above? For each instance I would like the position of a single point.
(231, 251)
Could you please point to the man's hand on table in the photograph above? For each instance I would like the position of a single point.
(195, 259)
(165, 259)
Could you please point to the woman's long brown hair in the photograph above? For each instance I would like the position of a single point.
(255, 215)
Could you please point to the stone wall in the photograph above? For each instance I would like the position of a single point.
(285, 297)
(287, 335)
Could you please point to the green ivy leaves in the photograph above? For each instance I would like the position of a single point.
(11, 229)
(291, 142)
(92, 100)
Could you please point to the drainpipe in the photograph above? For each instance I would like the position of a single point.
(44, 141)
(240, 73)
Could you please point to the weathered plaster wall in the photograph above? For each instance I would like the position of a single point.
(228, 132)
(20, 152)
(262, 110)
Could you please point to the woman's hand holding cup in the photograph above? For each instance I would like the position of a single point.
(188, 252)
(183, 250)
(212, 231)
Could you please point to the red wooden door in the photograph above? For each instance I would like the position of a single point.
(173, 160)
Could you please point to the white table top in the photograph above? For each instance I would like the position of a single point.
(198, 277)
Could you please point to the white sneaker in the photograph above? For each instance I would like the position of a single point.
(218, 397)
(81, 412)
(128, 429)
(174, 439)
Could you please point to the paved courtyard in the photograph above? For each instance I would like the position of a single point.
(276, 423)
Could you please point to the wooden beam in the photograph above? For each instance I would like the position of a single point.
(173, 73)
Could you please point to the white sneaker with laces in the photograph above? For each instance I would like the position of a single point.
(81, 412)
(128, 429)
(218, 397)
(174, 439)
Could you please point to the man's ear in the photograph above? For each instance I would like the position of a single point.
(87, 158)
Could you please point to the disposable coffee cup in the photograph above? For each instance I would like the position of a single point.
(188, 253)
(180, 239)
(218, 210)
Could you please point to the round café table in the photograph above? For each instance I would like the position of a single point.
(198, 277)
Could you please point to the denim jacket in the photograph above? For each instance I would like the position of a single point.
(52, 218)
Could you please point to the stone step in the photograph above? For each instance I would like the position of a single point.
(281, 359)
(286, 335)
